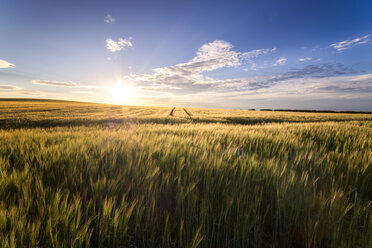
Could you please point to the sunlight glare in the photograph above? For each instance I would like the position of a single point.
(123, 92)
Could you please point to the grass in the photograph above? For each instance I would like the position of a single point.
(94, 175)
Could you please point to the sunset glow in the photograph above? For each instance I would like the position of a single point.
(123, 93)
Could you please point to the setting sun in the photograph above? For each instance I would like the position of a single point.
(123, 92)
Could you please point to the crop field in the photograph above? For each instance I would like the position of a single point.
(78, 174)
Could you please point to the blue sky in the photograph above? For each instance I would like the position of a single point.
(222, 54)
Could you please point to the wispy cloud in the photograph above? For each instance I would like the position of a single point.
(9, 88)
(255, 53)
(365, 77)
(55, 83)
(280, 61)
(109, 19)
(120, 44)
(304, 59)
(347, 44)
(6, 64)
(256, 67)
(64, 84)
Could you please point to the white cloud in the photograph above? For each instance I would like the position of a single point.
(209, 57)
(120, 44)
(304, 59)
(64, 84)
(280, 61)
(6, 64)
(190, 78)
(109, 19)
(347, 44)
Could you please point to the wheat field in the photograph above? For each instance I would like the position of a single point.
(93, 175)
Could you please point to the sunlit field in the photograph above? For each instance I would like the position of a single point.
(92, 175)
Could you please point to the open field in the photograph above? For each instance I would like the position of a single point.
(43, 113)
(92, 175)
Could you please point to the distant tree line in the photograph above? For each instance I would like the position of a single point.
(315, 111)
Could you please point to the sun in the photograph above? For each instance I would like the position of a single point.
(123, 92)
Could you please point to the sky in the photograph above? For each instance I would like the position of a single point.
(289, 54)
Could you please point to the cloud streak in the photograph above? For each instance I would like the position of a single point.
(9, 88)
(5, 64)
(116, 46)
(307, 72)
(347, 44)
(63, 84)
(55, 83)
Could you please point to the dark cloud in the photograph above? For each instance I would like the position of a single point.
(309, 71)
(318, 71)
(335, 88)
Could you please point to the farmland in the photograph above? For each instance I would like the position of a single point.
(93, 175)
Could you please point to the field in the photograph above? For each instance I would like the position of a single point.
(93, 175)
